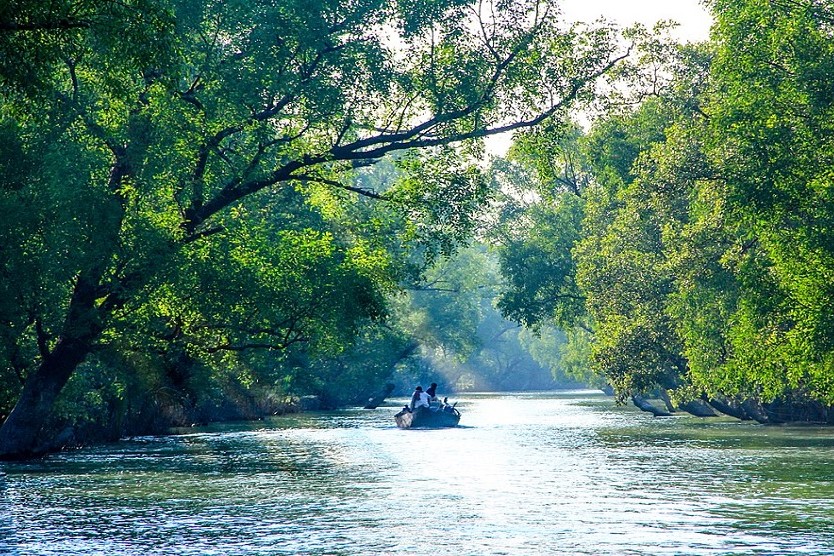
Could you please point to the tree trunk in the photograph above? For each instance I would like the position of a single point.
(730, 408)
(19, 435)
(698, 408)
(755, 410)
(667, 401)
(645, 405)
(374, 401)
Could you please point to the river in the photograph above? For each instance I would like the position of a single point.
(543, 473)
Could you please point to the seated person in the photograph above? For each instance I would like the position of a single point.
(419, 398)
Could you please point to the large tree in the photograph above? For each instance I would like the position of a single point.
(761, 324)
(706, 248)
(144, 139)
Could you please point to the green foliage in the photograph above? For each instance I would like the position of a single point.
(351, 376)
(540, 267)
(566, 354)
(705, 249)
(443, 310)
(624, 260)
(465, 342)
(48, 46)
(538, 226)
(598, 253)
(542, 208)
(180, 178)
(770, 133)
(440, 199)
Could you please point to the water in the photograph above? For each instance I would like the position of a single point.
(524, 474)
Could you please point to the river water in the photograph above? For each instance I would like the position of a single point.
(544, 473)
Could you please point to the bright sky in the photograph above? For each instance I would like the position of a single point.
(693, 17)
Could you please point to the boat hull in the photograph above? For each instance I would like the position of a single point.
(423, 418)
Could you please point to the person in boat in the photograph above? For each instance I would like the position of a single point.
(419, 398)
(432, 392)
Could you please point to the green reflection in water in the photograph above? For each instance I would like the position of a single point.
(527, 474)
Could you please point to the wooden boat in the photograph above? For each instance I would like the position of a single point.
(428, 418)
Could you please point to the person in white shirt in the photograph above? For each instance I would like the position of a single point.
(419, 398)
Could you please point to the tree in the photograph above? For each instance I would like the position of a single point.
(734, 197)
(464, 341)
(705, 250)
(622, 263)
(595, 255)
(769, 139)
(539, 221)
(155, 159)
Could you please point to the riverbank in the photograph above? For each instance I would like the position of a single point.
(162, 414)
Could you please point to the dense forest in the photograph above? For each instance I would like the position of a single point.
(691, 238)
(212, 208)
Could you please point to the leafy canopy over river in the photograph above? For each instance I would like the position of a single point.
(195, 223)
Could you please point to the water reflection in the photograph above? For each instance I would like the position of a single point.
(526, 474)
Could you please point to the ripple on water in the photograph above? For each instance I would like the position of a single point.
(527, 474)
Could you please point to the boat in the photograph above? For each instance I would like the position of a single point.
(428, 418)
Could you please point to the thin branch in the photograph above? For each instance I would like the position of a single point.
(257, 345)
(364, 192)
(203, 234)
(50, 25)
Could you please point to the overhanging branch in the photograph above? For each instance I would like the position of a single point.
(376, 146)
(49, 25)
(361, 191)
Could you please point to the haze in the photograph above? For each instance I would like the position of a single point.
(693, 17)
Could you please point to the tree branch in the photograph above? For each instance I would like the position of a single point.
(49, 25)
(377, 146)
(364, 192)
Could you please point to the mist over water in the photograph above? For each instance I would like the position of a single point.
(540, 473)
